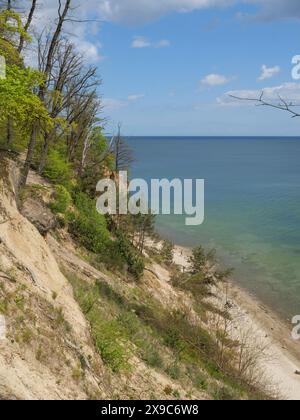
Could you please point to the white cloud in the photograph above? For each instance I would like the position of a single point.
(133, 98)
(90, 51)
(115, 104)
(142, 42)
(140, 11)
(215, 80)
(164, 43)
(287, 91)
(268, 72)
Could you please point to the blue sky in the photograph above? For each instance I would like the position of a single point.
(167, 72)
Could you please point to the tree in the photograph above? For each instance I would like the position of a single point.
(200, 258)
(123, 155)
(145, 226)
(62, 15)
(10, 29)
(70, 96)
(27, 25)
(18, 102)
(167, 252)
(98, 160)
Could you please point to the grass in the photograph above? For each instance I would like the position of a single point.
(165, 340)
(109, 337)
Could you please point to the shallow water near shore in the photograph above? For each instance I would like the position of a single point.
(252, 206)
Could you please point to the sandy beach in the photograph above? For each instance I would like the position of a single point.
(282, 358)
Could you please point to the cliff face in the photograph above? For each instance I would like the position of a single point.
(72, 329)
(45, 326)
(47, 349)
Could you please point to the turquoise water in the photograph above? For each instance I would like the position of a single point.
(252, 206)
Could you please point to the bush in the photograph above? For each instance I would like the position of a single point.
(57, 170)
(200, 258)
(62, 200)
(90, 229)
(88, 226)
(133, 260)
(110, 342)
(109, 335)
(167, 252)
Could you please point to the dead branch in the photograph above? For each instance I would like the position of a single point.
(283, 105)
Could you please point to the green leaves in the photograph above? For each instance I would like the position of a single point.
(11, 24)
(18, 100)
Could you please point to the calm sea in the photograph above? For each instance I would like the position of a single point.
(252, 206)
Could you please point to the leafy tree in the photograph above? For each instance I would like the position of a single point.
(167, 252)
(18, 100)
(199, 259)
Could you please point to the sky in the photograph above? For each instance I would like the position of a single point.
(168, 66)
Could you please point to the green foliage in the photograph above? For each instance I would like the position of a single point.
(10, 53)
(134, 261)
(18, 100)
(108, 334)
(195, 284)
(93, 170)
(109, 341)
(88, 226)
(62, 200)
(163, 339)
(57, 170)
(11, 24)
(142, 336)
(200, 258)
(167, 252)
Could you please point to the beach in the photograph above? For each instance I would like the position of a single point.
(282, 354)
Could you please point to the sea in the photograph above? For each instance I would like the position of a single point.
(252, 206)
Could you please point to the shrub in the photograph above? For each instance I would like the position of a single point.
(57, 170)
(109, 335)
(223, 393)
(200, 258)
(62, 200)
(133, 260)
(88, 226)
(110, 342)
(167, 252)
(196, 284)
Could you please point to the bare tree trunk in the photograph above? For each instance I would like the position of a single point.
(53, 44)
(86, 148)
(29, 157)
(42, 90)
(27, 24)
(44, 153)
(10, 137)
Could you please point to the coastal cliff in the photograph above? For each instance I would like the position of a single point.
(75, 330)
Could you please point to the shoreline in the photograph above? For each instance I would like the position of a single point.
(247, 311)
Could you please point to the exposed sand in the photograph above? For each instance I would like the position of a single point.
(283, 353)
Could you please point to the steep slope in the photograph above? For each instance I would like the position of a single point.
(43, 320)
(49, 351)
(77, 330)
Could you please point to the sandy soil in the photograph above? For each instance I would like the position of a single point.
(282, 359)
